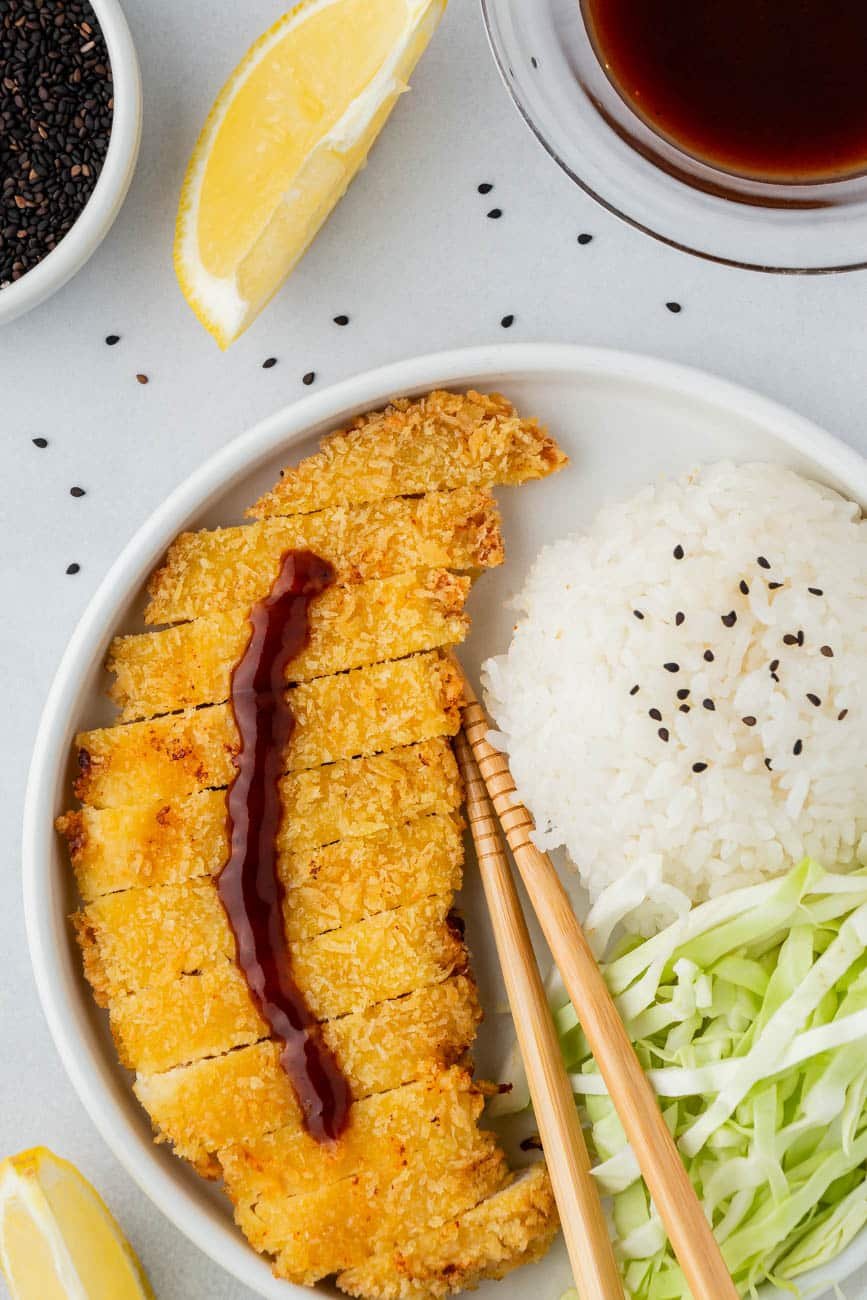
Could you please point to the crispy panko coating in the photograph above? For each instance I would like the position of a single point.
(149, 943)
(350, 627)
(287, 1162)
(362, 712)
(512, 1227)
(239, 1096)
(413, 1200)
(165, 843)
(442, 440)
(142, 937)
(210, 572)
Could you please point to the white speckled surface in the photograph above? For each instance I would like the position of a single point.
(412, 259)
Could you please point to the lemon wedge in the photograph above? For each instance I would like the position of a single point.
(288, 132)
(58, 1240)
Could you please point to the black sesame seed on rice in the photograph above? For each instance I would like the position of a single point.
(495, 214)
(508, 321)
(768, 765)
(655, 714)
(269, 363)
(729, 619)
(585, 239)
(790, 639)
(699, 767)
(678, 552)
(814, 700)
(684, 708)
(762, 562)
(56, 109)
(826, 651)
(663, 734)
(73, 568)
(774, 665)
(774, 586)
(485, 187)
(76, 492)
(749, 720)
(308, 378)
(800, 637)
(112, 339)
(798, 747)
(842, 714)
(671, 667)
(635, 689)
(341, 320)
(744, 588)
(41, 443)
(683, 693)
(708, 656)
(709, 705)
(679, 618)
(815, 591)
(638, 614)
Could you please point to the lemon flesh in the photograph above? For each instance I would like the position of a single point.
(58, 1240)
(284, 139)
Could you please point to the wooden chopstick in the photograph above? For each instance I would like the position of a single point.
(584, 1227)
(688, 1230)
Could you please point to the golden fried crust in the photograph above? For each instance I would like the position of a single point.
(443, 440)
(341, 1224)
(510, 1228)
(239, 1096)
(350, 627)
(168, 842)
(363, 712)
(242, 1095)
(142, 937)
(210, 572)
(287, 1162)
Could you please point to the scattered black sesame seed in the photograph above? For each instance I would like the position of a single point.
(679, 618)
(684, 708)
(842, 714)
(309, 377)
(485, 187)
(749, 720)
(534, 61)
(826, 651)
(533, 1143)
(507, 322)
(729, 619)
(656, 715)
(683, 693)
(638, 613)
(800, 637)
(585, 239)
(674, 307)
(762, 562)
(774, 586)
(699, 767)
(73, 568)
(495, 214)
(635, 689)
(671, 668)
(709, 705)
(678, 552)
(341, 320)
(789, 639)
(663, 734)
(814, 699)
(39, 442)
(797, 748)
(744, 588)
(775, 663)
(269, 363)
(815, 591)
(768, 765)
(142, 379)
(112, 339)
(775, 677)
(76, 491)
(708, 656)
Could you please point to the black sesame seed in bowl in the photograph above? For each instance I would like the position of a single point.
(70, 120)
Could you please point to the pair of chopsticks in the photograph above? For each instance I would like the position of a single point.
(487, 776)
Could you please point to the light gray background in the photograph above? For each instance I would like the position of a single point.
(411, 257)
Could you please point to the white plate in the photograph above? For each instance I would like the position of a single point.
(623, 419)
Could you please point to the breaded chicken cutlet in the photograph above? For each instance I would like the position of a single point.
(405, 1197)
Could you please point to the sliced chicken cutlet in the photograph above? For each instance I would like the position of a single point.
(165, 843)
(444, 440)
(412, 1198)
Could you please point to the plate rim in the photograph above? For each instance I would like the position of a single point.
(239, 457)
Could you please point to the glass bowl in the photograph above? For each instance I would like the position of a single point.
(546, 58)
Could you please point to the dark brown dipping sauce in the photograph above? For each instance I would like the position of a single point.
(773, 89)
(249, 884)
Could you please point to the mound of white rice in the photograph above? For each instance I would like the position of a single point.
(683, 700)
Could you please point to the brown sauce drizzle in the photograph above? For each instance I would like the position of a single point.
(249, 884)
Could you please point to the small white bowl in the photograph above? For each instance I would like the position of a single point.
(98, 215)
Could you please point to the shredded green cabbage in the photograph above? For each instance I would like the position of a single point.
(750, 1015)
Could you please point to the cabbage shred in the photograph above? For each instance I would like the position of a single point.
(750, 1015)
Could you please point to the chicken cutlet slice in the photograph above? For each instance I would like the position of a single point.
(165, 843)
(364, 711)
(442, 440)
(210, 572)
(142, 937)
(340, 1225)
(287, 1162)
(243, 1094)
(350, 627)
(514, 1226)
